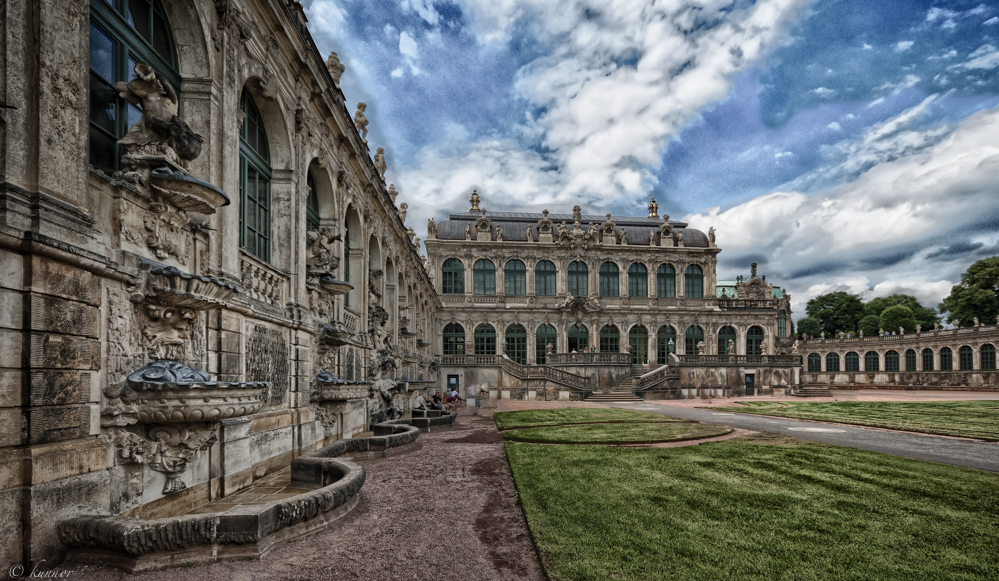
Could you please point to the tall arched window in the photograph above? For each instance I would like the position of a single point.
(544, 337)
(910, 360)
(515, 343)
(726, 334)
(852, 361)
(484, 277)
(579, 338)
(346, 260)
(254, 182)
(544, 279)
(693, 285)
(578, 279)
(781, 324)
(610, 339)
(453, 277)
(665, 281)
(965, 358)
(312, 205)
(484, 340)
(665, 343)
(754, 341)
(832, 362)
(987, 357)
(694, 336)
(454, 339)
(638, 280)
(814, 363)
(610, 286)
(123, 33)
(946, 359)
(871, 361)
(638, 344)
(515, 278)
(891, 361)
(928, 359)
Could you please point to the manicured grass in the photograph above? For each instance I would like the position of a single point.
(970, 419)
(764, 507)
(618, 433)
(509, 420)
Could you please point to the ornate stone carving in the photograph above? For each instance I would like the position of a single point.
(579, 304)
(166, 329)
(392, 192)
(335, 67)
(320, 257)
(168, 449)
(361, 122)
(544, 225)
(267, 360)
(403, 209)
(380, 166)
(483, 224)
(577, 213)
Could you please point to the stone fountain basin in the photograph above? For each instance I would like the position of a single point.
(242, 532)
(176, 288)
(199, 402)
(186, 192)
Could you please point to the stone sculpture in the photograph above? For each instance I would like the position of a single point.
(380, 166)
(431, 228)
(499, 233)
(159, 132)
(320, 256)
(335, 67)
(730, 349)
(679, 237)
(468, 231)
(577, 213)
(653, 209)
(530, 233)
(711, 235)
(361, 122)
(392, 192)
(403, 209)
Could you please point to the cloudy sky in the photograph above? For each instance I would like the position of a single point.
(843, 145)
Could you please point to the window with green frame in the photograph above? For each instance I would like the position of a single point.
(544, 336)
(610, 339)
(814, 363)
(725, 334)
(987, 357)
(665, 343)
(484, 277)
(693, 282)
(545, 276)
(123, 33)
(346, 262)
(928, 359)
(665, 281)
(946, 359)
(872, 361)
(484, 340)
(754, 341)
(454, 339)
(693, 336)
(515, 343)
(852, 361)
(453, 277)
(254, 182)
(781, 324)
(312, 205)
(610, 285)
(638, 345)
(515, 278)
(578, 279)
(638, 280)
(965, 358)
(891, 361)
(832, 362)
(579, 338)
(910, 360)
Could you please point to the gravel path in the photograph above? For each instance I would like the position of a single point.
(444, 512)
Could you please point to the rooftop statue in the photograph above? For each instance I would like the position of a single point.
(403, 208)
(361, 122)
(653, 209)
(431, 228)
(711, 235)
(380, 166)
(468, 231)
(335, 67)
(577, 213)
(545, 223)
(530, 233)
(474, 200)
(392, 192)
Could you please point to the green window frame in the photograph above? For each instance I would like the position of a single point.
(832, 362)
(312, 204)
(579, 338)
(754, 340)
(891, 361)
(515, 343)
(946, 359)
(578, 278)
(693, 282)
(966, 358)
(610, 339)
(638, 345)
(852, 361)
(545, 278)
(928, 359)
(814, 363)
(781, 324)
(544, 336)
(453, 277)
(872, 362)
(693, 335)
(122, 33)
(638, 280)
(610, 283)
(484, 277)
(987, 357)
(666, 281)
(910, 360)
(254, 182)
(515, 278)
(484, 340)
(454, 339)
(725, 334)
(665, 343)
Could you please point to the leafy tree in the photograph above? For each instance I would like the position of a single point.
(976, 296)
(836, 312)
(869, 325)
(924, 316)
(898, 316)
(809, 326)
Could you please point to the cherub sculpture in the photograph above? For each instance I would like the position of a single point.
(335, 67)
(380, 166)
(361, 122)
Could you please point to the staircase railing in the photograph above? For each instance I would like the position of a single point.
(608, 358)
(544, 372)
(654, 378)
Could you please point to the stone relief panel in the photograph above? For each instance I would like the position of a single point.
(267, 360)
(125, 350)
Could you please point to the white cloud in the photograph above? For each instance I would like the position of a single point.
(424, 8)
(410, 51)
(936, 13)
(992, 21)
(985, 57)
(824, 92)
(903, 45)
(834, 126)
(326, 15)
(867, 46)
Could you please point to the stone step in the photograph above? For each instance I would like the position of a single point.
(814, 392)
(614, 396)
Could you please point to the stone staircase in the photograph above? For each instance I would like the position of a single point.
(814, 392)
(622, 392)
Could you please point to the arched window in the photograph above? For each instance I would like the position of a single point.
(726, 334)
(544, 337)
(852, 361)
(693, 286)
(927, 359)
(832, 362)
(891, 361)
(452, 277)
(610, 286)
(346, 261)
(578, 279)
(665, 281)
(122, 34)
(484, 340)
(454, 339)
(946, 359)
(638, 344)
(965, 358)
(515, 278)
(754, 341)
(638, 280)
(484, 277)
(987, 357)
(910, 360)
(544, 279)
(515, 343)
(814, 363)
(312, 205)
(610, 339)
(665, 343)
(871, 361)
(694, 335)
(254, 182)
(579, 338)
(781, 324)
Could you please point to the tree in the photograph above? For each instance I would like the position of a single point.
(869, 324)
(809, 326)
(836, 312)
(898, 316)
(976, 296)
(925, 316)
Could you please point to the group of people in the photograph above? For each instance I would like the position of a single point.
(446, 401)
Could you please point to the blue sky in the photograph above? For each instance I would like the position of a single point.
(843, 145)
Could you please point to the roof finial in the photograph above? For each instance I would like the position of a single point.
(653, 208)
(474, 200)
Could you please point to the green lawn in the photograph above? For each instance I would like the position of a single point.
(764, 507)
(970, 419)
(618, 433)
(520, 419)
